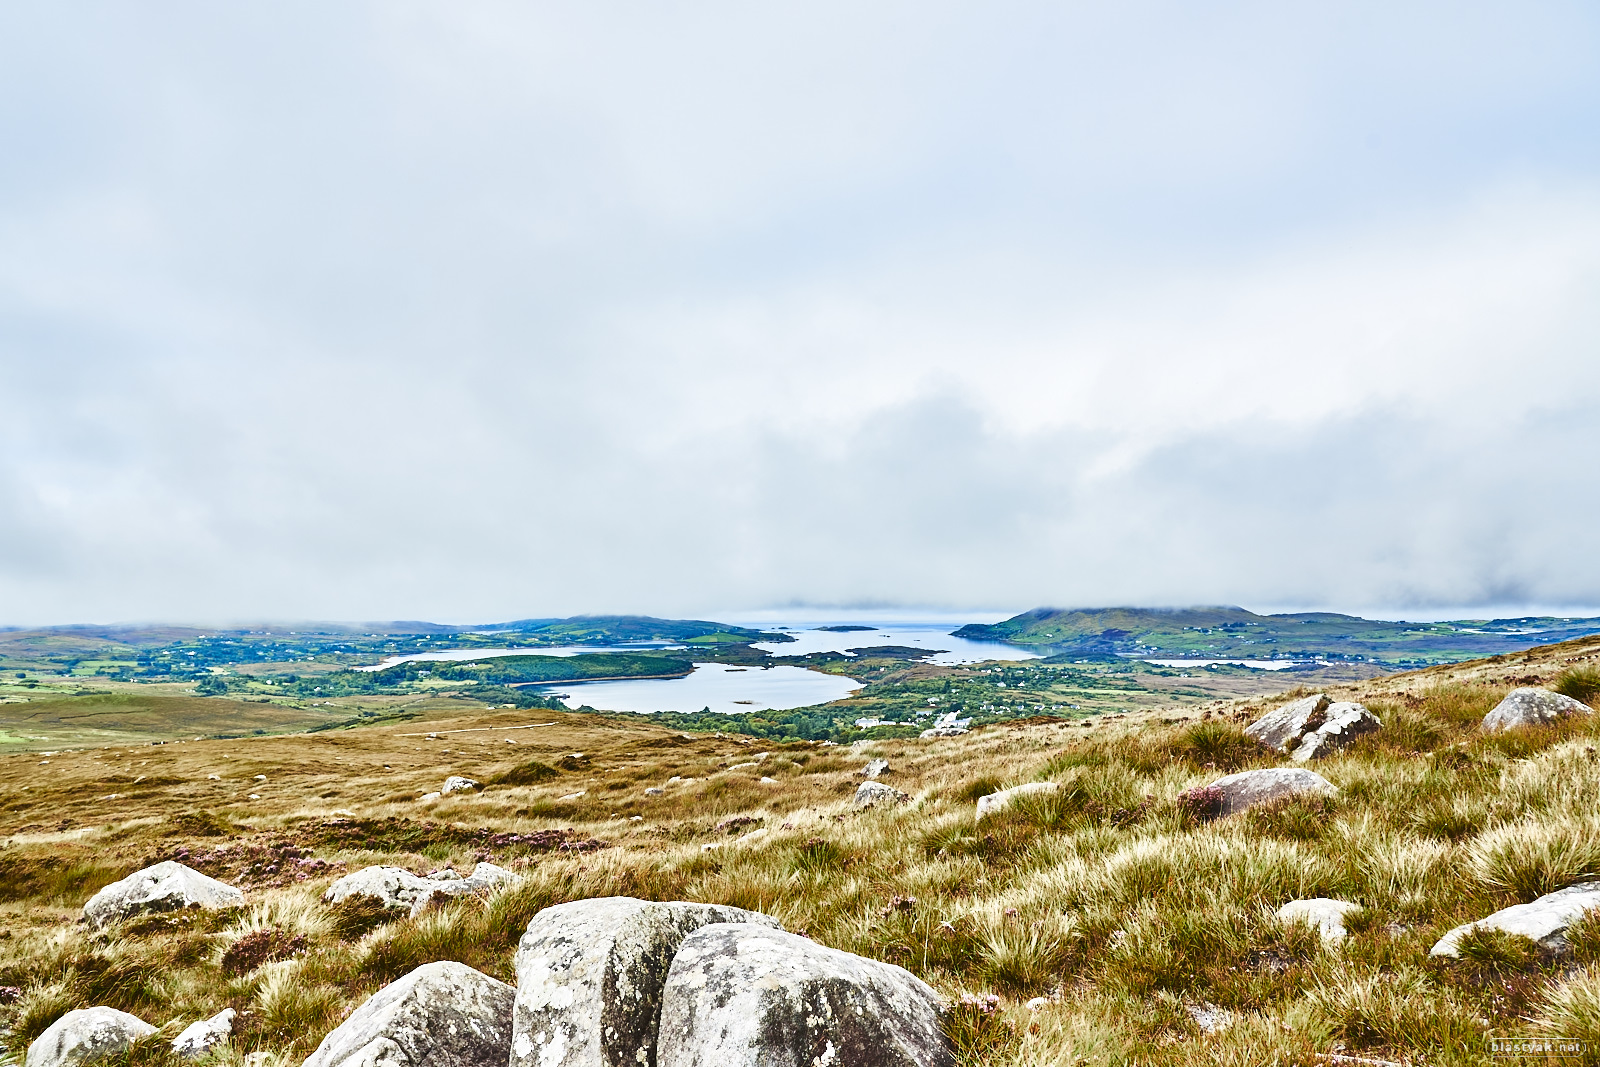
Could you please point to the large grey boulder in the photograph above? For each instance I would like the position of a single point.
(995, 803)
(396, 887)
(873, 769)
(1249, 788)
(1324, 913)
(1312, 727)
(870, 793)
(199, 1038)
(165, 886)
(746, 996)
(590, 974)
(1531, 707)
(1545, 920)
(442, 1014)
(86, 1035)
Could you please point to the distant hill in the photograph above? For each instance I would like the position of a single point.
(1214, 632)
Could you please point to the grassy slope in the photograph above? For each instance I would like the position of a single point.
(1113, 901)
(1225, 631)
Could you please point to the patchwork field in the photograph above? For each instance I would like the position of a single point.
(1146, 927)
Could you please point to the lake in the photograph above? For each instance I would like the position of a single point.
(1257, 664)
(914, 635)
(467, 655)
(713, 685)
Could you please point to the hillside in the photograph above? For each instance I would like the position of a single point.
(1225, 631)
(1116, 901)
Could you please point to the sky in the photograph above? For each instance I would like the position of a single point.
(477, 311)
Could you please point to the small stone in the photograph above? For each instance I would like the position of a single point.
(1249, 788)
(458, 784)
(442, 1014)
(1038, 1003)
(84, 1036)
(1209, 1017)
(768, 781)
(873, 769)
(165, 886)
(1324, 913)
(1532, 707)
(998, 802)
(199, 1038)
(870, 793)
(1545, 920)
(428, 798)
(573, 796)
(654, 791)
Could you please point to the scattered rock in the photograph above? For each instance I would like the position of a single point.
(1038, 1003)
(573, 796)
(1312, 727)
(458, 784)
(590, 975)
(1249, 788)
(998, 802)
(768, 781)
(1531, 707)
(873, 769)
(740, 995)
(199, 1038)
(1325, 913)
(428, 798)
(1209, 1017)
(442, 1014)
(165, 886)
(869, 793)
(86, 1035)
(396, 887)
(1545, 920)
(655, 791)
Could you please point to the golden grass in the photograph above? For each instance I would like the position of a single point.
(1109, 899)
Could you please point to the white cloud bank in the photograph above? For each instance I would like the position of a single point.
(478, 311)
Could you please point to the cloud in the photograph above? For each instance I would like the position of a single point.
(488, 311)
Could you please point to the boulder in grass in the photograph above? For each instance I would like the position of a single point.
(873, 769)
(396, 887)
(458, 784)
(1324, 913)
(1236, 792)
(1312, 727)
(995, 803)
(84, 1036)
(165, 886)
(199, 1038)
(870, 793)
(747, 996)
(1532, 707)
(590, 975)
(442, 1014)
(1545, 920)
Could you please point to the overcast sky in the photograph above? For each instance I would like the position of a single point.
(475, 311)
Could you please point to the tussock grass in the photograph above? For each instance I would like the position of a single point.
(1121, 905)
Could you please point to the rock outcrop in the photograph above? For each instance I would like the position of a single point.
(998, 802)
(747, 996)
(458, 784)
(442, 1014)
(199, 1038)
(86, 1035)
(873, 769)
(165, 886)
(1545, 920)
(870, 793)
(590, 975)
(396, 887)
(1312, 727)
(1532, 707)
(1324, 913)
(1249, 788)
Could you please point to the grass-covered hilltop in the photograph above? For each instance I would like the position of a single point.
(1117, 915)
(1224, 631)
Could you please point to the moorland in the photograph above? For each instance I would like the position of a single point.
(1112, 922)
